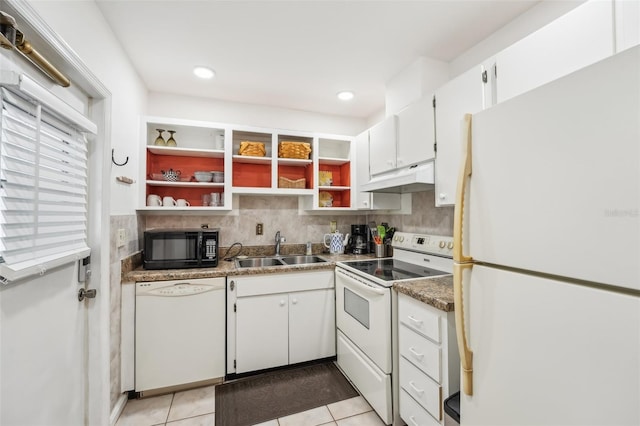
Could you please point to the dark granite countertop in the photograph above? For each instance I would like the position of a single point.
(436, 291)
(228, 268)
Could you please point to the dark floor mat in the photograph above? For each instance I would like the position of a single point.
(280, 393)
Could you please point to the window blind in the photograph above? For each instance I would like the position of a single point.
(43, 192)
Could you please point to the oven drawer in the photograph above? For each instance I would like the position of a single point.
(416, 317)
(424, 390)
(413, 413)
(420, 351)
(373, 384)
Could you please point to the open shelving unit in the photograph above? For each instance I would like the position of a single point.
(215, 147)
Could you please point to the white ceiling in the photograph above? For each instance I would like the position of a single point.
(297, 54)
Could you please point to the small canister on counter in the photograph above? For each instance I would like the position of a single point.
(380, 250)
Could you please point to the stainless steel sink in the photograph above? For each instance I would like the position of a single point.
(258, 262)
(300, 260)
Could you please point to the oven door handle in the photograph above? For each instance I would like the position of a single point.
(360, 284)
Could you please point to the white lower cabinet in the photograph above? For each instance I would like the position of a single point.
(262, 335)
(429, 361)
(282, 319)
(311, 325)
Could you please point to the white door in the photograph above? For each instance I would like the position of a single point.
(44, 329)
(43, 351)
(382, 146)
(416, 133)
(262, 332)
(547, 352)
(462, 95)
(363, 314)
(312, 325)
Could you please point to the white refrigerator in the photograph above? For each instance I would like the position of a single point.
(547, 261)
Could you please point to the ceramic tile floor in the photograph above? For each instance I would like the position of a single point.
(196, 407)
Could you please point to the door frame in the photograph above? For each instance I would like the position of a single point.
(97, 374)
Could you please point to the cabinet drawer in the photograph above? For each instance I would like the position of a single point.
(423, 353)
(413, 414)
(416, 316)
(424, 390)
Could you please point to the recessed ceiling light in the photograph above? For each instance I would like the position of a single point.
(345, 96)
(204, 72)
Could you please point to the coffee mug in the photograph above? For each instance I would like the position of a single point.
(168, 202)
(154, 200)
(182, 203)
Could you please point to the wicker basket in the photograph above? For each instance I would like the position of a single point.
(325, 199)
(288, 149)
(284, 182)
(252, 149)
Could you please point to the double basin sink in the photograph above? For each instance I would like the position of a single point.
(254, 262)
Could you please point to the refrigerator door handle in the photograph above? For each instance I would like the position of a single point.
(466, 355)
(463, 178)
(462, 262)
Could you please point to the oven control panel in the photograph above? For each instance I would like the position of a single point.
(423, 243)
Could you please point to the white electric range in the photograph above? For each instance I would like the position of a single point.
(366, 314)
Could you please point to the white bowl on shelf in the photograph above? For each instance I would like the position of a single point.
(218, 177)
(203, 176)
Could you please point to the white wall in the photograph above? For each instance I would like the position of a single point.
(82, 26)
(187, 107)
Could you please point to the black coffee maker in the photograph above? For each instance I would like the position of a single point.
(359, 239)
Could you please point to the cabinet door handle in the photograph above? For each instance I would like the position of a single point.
(416, 321)
(413, 386)
(416, 354)
(294, 301)
(282, 303)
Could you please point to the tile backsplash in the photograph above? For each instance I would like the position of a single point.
(280, 213)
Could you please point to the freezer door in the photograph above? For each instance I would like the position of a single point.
(550, 353)
(555, 185)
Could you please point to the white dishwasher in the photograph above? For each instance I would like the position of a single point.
(180, 333)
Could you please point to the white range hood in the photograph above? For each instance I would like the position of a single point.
(419, 177)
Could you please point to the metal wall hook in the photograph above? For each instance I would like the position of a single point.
(114, 160)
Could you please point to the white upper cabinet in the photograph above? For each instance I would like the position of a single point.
(627, 24)
(581, 37)
(416, 134)
(369, 200)
(382, 146)
(362, 200)
(463, 95)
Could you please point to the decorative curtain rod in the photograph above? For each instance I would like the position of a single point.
(11, 37)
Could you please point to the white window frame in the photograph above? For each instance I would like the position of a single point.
(44, 180)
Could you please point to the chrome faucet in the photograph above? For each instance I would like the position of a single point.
(278, 243)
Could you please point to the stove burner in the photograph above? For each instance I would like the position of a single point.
(393, 270)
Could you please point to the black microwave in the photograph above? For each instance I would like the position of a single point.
(180, 248)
